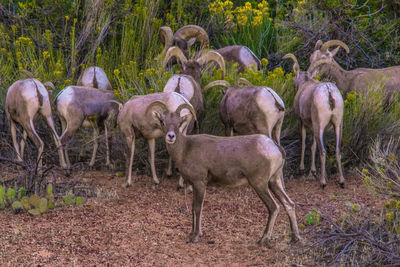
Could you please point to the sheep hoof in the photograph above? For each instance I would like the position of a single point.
(323, 185)
(188, 189)
(168, 173)
(110, 166)
(126, 185)
(265, 242)
(193, 238)
(341, 184)
(296, 240)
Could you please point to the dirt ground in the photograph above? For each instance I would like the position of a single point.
(143, 225)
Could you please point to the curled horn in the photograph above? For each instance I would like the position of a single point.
(296, 67)
(244, 82)
(195, 31)
(174, 52)
(318, 45)
(187, 106)
(27, 73)
(157, 103)
(216, 83)
(330, 43)
(213, 56)
(318, 63)
(50, 84)
(167, 39)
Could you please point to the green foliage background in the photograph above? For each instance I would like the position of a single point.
(56, 40)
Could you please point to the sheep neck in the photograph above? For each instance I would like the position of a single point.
(176, 150)
(340, 76)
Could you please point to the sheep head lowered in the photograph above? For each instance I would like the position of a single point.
(317, 105)
(179, 38)
(25, 100)
(94, 77)
(250, 109)
(255, 159)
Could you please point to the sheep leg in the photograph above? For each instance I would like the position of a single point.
(313, 169)
(130, 141)
(152, 148)
(57, 141)
(276, 132)
(277, 188)
(228, 131)
(199, 192)
(303, 145)
(338, 132)
(69, 129)
(96, 142)
(23, 142)
(32, 134)
(108, 146)
(14, 138)
(319, 135)
(260, 185)
(169, 169)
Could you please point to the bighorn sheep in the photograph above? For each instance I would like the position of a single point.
(25, 100)
(135, 123)
(317, 105)
(255, 159)
(188, 82)
(241, 55)
(357, 79)
(94, 77)
(250, 110)
(80, 106)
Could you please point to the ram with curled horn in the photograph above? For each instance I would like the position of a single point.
(202, 158)
(317, 105)
(178, 39)
(322, 62)
(239, 54)
(250, 109)
(188, 82)
(135, 121)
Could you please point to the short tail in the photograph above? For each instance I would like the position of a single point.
(331, 100)
(40, 97)
(95, 83)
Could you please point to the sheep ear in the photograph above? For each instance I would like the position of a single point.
(334, 51)
(191, 41)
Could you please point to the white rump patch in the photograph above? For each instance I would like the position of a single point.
(247, 57)
(185, 85)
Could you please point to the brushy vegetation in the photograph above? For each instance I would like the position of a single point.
(56, 40)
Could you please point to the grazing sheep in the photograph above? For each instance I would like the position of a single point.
(255, 159)
(239, 54)
(242, 55)
(25, 100)
(322, 62)
(134, 123)
(317, 105)
(250, 109)
(80, 106)
(94, 77)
